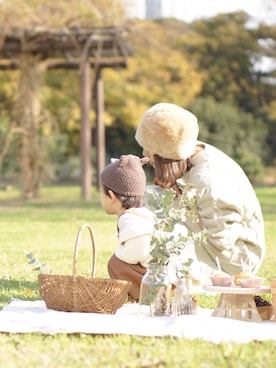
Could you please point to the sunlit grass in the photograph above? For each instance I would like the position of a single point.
(49, 226)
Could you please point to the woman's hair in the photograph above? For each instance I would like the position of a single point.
(167, 171)
(127, 202)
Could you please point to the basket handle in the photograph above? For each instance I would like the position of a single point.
(75, 259)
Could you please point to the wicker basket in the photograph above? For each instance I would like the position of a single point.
(83, 294)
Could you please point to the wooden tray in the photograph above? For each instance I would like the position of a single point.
(236, 289)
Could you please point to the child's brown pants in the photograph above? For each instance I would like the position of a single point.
(121, 270)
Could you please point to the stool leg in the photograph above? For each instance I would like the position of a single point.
(237, 306)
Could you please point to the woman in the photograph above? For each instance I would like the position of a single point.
(228, 209)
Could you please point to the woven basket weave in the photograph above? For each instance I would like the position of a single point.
(83, 294)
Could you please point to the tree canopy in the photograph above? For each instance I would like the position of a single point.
(37, 15)
(210, 66)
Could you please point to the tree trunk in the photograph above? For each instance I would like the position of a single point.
(28, 110)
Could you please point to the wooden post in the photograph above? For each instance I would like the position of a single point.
(85, 133)
(273, 292)
(100, 130)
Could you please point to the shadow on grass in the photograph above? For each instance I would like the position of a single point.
(46, 203)
(18, 289)
(52, 197)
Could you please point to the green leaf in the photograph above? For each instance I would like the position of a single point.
(28, 254)
(171, 210)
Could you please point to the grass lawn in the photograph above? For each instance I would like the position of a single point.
(48, 227)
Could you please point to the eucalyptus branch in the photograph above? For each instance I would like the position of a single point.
(38, 266)
(169, 212)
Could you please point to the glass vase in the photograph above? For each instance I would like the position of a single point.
(182, 302)
(155, 292)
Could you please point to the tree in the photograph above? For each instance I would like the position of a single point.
(224, 49)
(156, 72)
(209, 66)
(28, 113)
(30, 21)
(229, 53)
(267, 85)
(239, 135)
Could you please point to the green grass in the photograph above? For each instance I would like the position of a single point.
(49, 227)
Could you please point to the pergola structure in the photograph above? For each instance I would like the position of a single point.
(81, 49)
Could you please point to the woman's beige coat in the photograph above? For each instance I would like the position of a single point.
(228, 210)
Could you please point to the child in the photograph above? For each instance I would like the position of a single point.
(123, 184)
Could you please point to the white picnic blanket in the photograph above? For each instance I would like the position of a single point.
(33, 316)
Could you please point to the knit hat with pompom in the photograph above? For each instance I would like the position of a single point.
(169, 131)
(126, 176)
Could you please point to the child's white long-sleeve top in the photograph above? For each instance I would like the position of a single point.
(135, 229)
